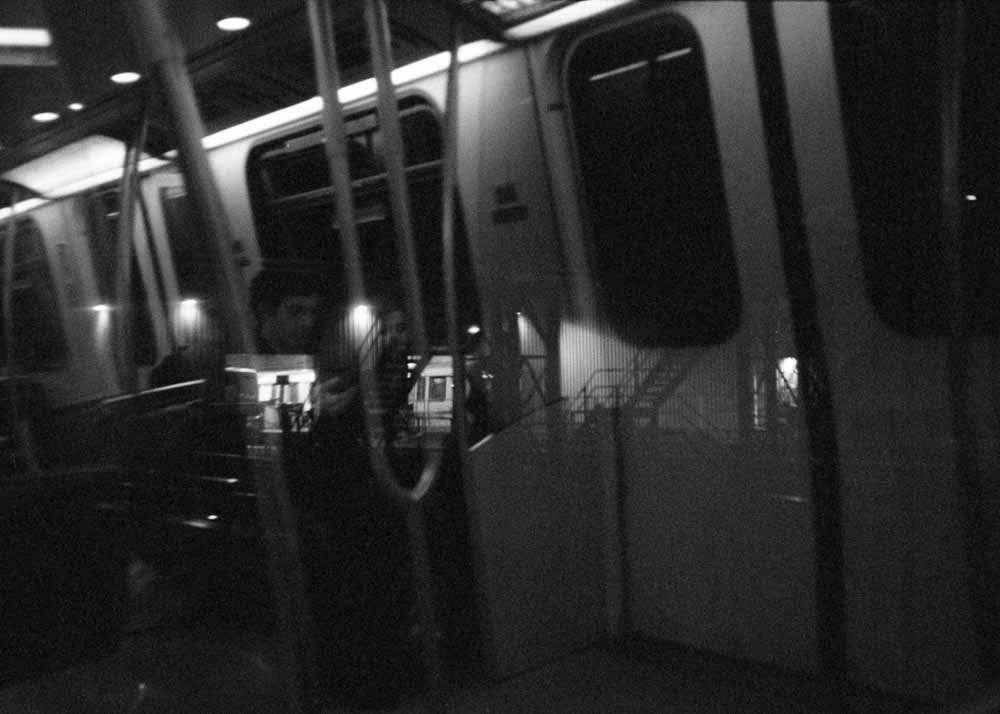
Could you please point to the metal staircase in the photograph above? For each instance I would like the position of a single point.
(643, 387)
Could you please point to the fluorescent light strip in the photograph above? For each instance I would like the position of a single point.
(351, 93)
(21, 207)
(25, 37)
(574, 12)
(619, 70)
(100, 178)
(666, 56)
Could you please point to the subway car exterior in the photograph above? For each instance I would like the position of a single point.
(703, 245)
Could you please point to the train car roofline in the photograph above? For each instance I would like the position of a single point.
(46, 175)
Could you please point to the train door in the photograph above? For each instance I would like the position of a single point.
(684, 384)
(183, 266)
(51, 297)
(919, 535)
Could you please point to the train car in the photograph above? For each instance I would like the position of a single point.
(735, 402)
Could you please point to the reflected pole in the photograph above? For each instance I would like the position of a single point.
(165, 56)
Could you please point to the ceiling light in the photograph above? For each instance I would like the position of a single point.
(233, 24)
(126, 77)
(45, 117)
(75, 106)
(25, 37)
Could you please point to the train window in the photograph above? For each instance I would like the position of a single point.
(889, 73)
(437, 389)
(297, 164)
(661, 244)
(103, 210)
(38, 341)
(293, 209)
(192, 259)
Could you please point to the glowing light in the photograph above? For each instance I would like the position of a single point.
(126, 77)
(212, 517)
(75, 106)
(188, 310)
(361, 314)
(45, 117)
(971, 197)
(21, 207)
(473, 329)
(25, 37)
(233, 24)
(351, 93)
(572, 13)
(102, 307)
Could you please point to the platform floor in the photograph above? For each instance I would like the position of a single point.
(176, 659)
(209, 671)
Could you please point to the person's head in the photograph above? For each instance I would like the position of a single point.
(395, 333)
(286, 306)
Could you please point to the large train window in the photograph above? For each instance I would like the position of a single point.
(293, 207)
(662, 249)
(104, 207)
(889, 72)
(37, 339)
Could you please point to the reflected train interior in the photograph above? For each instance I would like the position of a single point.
(671, 326)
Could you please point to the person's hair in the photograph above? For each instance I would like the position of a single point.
(269, 287)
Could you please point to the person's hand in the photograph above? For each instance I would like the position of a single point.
(333, 397)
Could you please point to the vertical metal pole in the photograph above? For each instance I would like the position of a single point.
(125, 310)
(10, 232)
(328, 83)
(377, 21)
(976, 531)
(448, 268)
(166, 57)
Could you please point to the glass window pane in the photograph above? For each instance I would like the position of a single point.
(889, 70)
(662, 249)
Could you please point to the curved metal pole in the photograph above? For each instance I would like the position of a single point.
(166, 57)
(328, 79)
(379, 38)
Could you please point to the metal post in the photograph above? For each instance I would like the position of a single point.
(125, 310)
(982, 588)
(377, 21)
(448, 268)
(8, 286)
(166, 58)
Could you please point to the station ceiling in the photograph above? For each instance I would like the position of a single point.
(237, 74)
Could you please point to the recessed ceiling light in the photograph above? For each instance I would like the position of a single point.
(75, 106)
(125, 77)
(233, 24)
(44, 117)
